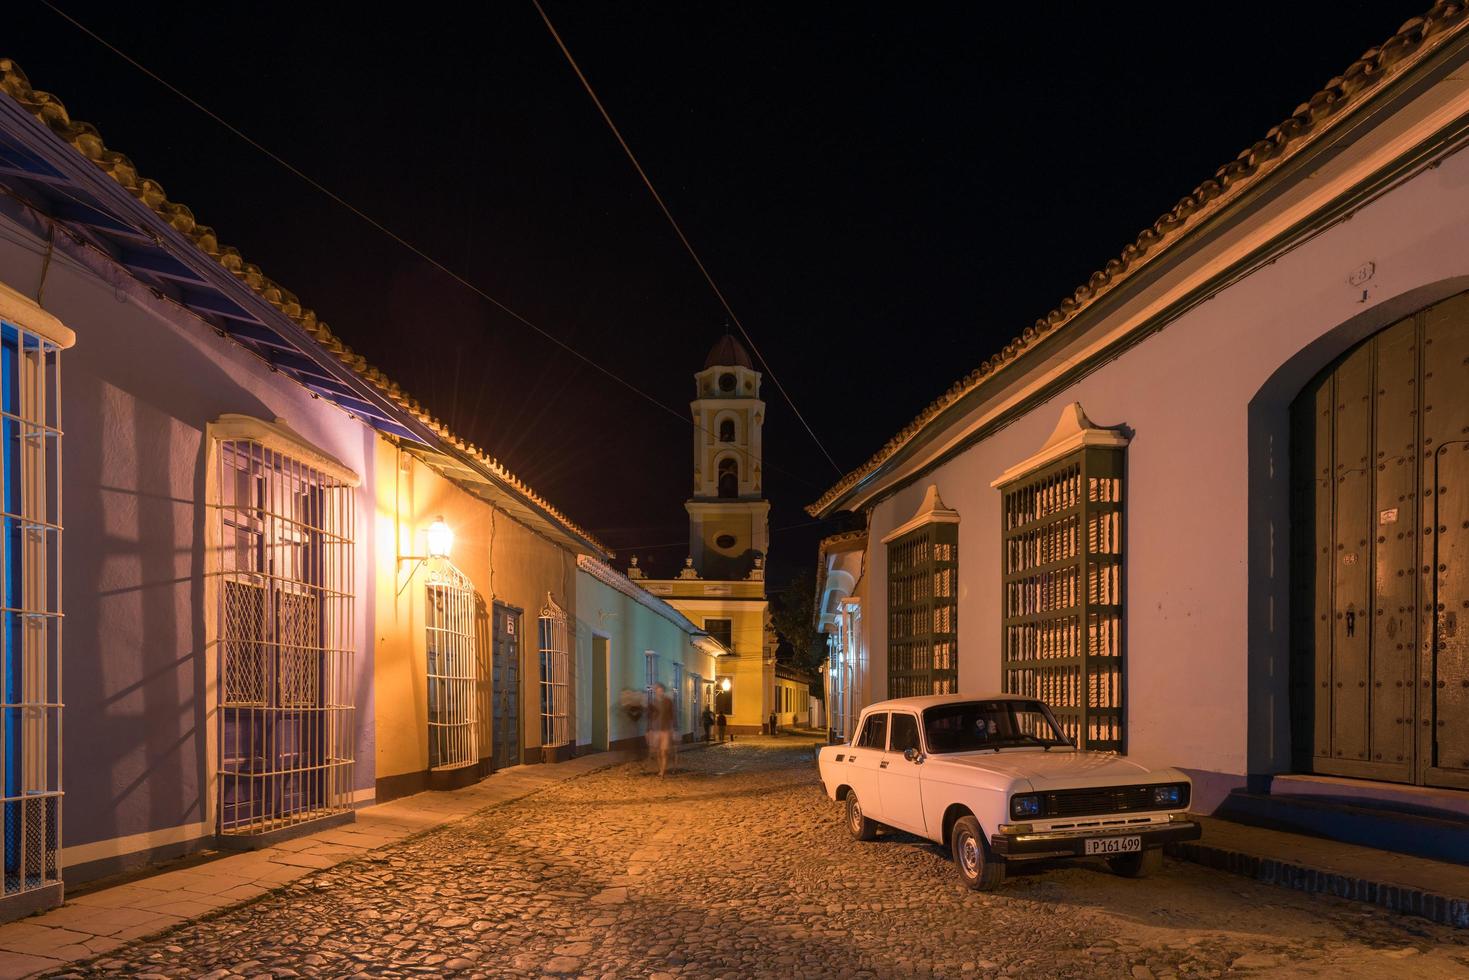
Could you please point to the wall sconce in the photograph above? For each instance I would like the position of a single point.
(440, 539)
(440, 542)
(724, 685)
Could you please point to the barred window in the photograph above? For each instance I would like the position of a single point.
(1062, 617)
(30, 555)
(287, 732)
(676, 693)
(453, 671)
(923, 611)
(650, 667)
(555, 676)
(696, 688)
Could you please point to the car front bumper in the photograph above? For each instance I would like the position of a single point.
(1072, 843)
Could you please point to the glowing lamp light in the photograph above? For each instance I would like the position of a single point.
(724, 684)
(440, 539)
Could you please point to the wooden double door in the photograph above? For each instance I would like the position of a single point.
(1380, 561)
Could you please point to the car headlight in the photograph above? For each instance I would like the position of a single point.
(1169, 796)
(1025, 806)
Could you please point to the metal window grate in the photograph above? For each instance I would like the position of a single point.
(555, 676)
(923, 612)
(1062, 579)
(453, 669)
(30, 555)
(650, 668)
(286, 708)
(676, 694)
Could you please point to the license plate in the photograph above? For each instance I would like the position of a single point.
(1113, 845)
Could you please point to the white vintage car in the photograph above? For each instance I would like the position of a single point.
(993, 779)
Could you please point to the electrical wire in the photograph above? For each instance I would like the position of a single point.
(634, 549)
(678, 230)
(394, 236)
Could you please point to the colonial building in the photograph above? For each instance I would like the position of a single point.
(722, 584)
(288, 591)
(1214, 507)
(627, 640)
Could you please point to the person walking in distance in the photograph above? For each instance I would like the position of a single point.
(719, 724)
(660, 727)
(707, 718)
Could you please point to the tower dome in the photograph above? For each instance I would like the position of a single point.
(728, 352)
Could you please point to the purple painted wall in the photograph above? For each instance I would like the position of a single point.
(139, 388)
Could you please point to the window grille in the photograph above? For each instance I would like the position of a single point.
(923, 611)
(696, 687)
(30, 551)
(676, 694)
(1062, 627)
(650, 667)
(555, 676)
(453, 669)
(286, 703)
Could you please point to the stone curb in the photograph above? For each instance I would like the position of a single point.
(1443, 909)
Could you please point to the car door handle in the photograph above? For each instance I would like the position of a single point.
(883, 764)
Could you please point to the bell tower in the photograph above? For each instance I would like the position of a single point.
(729, 519)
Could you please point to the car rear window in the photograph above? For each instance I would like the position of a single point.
(874, 732)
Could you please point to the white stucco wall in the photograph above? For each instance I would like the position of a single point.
(1207, 539)
(139, 388)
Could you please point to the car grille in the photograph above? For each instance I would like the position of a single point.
(1093, 802)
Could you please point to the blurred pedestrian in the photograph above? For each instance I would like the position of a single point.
(719, 723)
(660, 726)
(707, 718)
(773, 729)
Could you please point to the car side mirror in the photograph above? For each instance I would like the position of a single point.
(911, 754)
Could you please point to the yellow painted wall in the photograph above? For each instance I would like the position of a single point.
(798, 696)
(504, 560)
(752, 678)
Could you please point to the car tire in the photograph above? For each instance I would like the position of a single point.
(978, 868)
(1138, 865)
(857, 822)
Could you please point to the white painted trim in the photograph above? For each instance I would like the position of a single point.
(282, 438)
(931, 511)
(132, 844)
(25, 313)
(364, 795)
(1074, 431)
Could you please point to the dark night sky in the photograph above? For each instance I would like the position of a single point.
(886, 192)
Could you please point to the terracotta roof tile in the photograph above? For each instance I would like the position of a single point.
(1311, 118)
(85, 139)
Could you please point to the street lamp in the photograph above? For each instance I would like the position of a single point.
(440, 538)
(724, 685)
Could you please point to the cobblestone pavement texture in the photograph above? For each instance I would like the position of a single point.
(738, 865)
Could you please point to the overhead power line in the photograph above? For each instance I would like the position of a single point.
(708, 277)
(377, 225)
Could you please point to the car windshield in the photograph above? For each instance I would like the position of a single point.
(974, 726)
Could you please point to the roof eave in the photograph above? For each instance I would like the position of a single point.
(1408, 51)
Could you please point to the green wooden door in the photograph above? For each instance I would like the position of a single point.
(1381, 552)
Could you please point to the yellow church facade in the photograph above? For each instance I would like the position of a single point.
(721, 587)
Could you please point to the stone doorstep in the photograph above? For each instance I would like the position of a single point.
(101, 920)
(1433, 890)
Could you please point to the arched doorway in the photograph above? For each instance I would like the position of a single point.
(1380, 556)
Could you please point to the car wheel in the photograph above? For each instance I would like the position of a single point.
(978, 868)
(857, 822)
(1139, 864)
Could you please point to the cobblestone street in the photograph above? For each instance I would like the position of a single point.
(737, 865)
